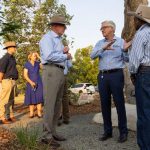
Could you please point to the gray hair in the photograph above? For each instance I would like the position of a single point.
(110, 23)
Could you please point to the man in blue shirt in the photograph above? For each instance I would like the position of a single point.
(53, 58)
(112, 57)
(139, 66)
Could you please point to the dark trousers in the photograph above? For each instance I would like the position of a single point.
(112, 84)
(142, 92)
(65, 102)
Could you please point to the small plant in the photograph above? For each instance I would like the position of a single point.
(27, 137)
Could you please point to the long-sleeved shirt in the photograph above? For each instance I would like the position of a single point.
(68, 64)
(140, 51)
(110, 59)
(51, 49)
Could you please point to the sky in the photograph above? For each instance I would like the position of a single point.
(88, 15)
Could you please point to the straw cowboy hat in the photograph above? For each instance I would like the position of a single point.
(57, 19)
(9, 44)
(142, 13)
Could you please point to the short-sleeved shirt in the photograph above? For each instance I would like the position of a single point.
(8, 67)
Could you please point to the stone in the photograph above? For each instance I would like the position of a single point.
(85, 99)
(131, 117)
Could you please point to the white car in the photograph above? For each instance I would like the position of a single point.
(87, 88)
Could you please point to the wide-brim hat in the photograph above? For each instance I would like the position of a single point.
(9, 44)
(58, 19)
(142, 13)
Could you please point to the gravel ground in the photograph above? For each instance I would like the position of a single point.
(82, 134)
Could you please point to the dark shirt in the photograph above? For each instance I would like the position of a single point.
(8, 67)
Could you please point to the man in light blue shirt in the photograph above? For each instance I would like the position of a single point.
(112, 57)
(53, 58)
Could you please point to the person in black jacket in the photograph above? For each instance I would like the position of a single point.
(8, 77)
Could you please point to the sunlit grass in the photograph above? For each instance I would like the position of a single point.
(27, 137)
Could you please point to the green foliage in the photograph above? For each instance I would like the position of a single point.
(73, 97)
(26, 137)
(30, 18)
(84, 69)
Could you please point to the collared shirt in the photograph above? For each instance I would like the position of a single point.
(68, 64)
(51, 49)
(140, 51)
(8, 67)
(110, 59)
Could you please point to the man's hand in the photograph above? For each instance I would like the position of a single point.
(133, 78)
(1, 76)
(66, 50)
(127, 45)
(0, 86)
(69, 56)
(108, 45)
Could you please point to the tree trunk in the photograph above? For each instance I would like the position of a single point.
(128, 33)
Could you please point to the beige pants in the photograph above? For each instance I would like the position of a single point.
(7, 98)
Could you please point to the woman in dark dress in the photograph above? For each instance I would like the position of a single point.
(34, 87)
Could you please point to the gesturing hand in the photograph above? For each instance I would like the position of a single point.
(108, 45)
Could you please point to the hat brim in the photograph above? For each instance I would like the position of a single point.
(8, 47)
(131, 13)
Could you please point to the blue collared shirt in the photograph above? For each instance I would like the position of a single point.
(68, 64)
(51, 49)
(110, 59)
(140, 51)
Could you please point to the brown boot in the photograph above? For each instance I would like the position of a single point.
(12, 119)
(6, 121)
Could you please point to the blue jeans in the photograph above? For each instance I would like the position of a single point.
(112, 84)
(142, 93)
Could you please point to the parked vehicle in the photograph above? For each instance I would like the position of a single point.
(83, 88)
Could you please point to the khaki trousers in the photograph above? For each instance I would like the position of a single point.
(7, 96)
(53, 87)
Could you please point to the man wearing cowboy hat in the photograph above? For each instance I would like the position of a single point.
(53, 57)
(8, 76)
(139, 66)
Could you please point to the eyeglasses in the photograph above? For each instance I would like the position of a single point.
(102, 28)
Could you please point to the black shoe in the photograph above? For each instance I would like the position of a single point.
(66, 121)
(123, 138)
(59, 138)
(105, 136)
(50, 142)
